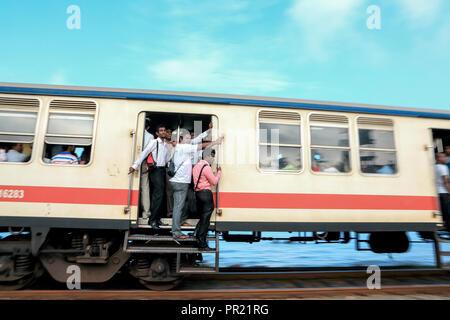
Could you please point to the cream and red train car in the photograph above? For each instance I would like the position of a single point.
(332, 169)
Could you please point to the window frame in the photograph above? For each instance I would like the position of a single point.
(375, 127)
(36, 128)
(300, 123)
(331, 125)
(70, 111)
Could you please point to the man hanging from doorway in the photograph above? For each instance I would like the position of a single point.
(443, 186)
(145, 182)
(157, 174)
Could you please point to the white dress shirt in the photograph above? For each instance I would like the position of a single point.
(197, 156)
(147, 138)
(163, 155)
(440, 170)
(15, 156)
(182, 162)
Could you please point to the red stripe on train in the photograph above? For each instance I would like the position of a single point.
(227, 199)
(325, 201)
(67, 195)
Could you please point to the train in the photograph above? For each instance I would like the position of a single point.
(326, 171)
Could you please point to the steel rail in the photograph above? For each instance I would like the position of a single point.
(296, 293)
(288, 273)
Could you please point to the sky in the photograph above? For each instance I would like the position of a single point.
(386, 52)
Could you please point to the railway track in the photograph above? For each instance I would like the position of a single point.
(235, 283)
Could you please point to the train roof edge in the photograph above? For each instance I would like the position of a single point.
(180, 96)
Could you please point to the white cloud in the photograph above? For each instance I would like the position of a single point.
(323, 16)
(59, 78)
(213, 13)
(319, 22)
(214, 74)
(420, 12)
(201, 64)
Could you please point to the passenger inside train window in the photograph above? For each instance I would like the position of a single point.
(386, 169)
(284, 164)
(15, 153)
(279, 147)
(85, 154)
(17, 129)
(333, 161)
(330, 149)
(331, 169)
(377, 151)
(67, 156)
(69, 135)
(3, 150)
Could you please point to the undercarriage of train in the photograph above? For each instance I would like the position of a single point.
(155, 260)
(94, 256)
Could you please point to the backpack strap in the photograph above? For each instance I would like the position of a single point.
(178, 166)
(157, 149)
(151, 154)
(199, 176)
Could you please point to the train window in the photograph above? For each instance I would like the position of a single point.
(280, 141)
(330, 143)
(70, 132)
(377, 139)
(329, 136)
(376, 146)
(18, 118)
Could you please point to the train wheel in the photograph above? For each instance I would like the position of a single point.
(19, 271)
(160, 285)
(18, 284)
(155, 273)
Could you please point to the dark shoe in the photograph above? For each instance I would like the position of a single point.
(160, 223)
(154, 225)
(202, 244)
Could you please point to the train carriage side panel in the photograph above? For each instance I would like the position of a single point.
(90, 196)
(306, 201)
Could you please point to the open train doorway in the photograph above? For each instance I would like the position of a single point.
(441, 140)
(203, 129)
(441, 145)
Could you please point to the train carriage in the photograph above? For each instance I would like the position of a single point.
(329, 169)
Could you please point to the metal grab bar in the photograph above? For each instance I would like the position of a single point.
(130, 184)
(218, 210)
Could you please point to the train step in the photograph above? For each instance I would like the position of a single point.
(148, 249)
(143, 224)
(439, 253)
(197, 270)
(154, 238)
(158, 244)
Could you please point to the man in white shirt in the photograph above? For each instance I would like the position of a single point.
(147, 135)
(442, 184)
(197, 156)
(182, 178)
(145, 182)
(15, 154)
(157, 174)
(169, 190)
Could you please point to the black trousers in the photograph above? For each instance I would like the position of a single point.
(443, 202)
(205, 207)
(158, 187)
